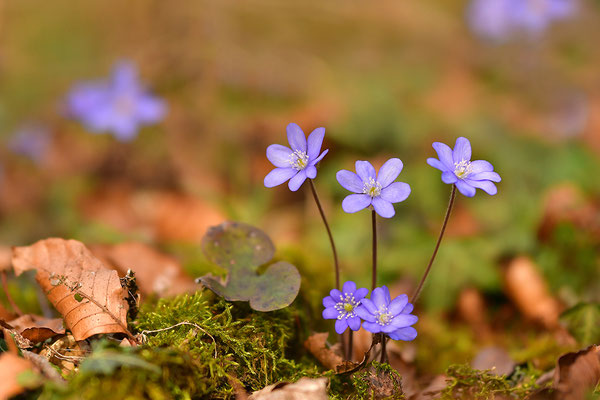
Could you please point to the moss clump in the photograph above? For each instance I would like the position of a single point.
(464, 382)
(224, 346)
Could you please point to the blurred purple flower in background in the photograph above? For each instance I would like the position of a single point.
(501, 19)
(341, 306)
(298, 162)
(32, 141)
(378, 190)
(458, 169)
(392, 317)
(119, 105)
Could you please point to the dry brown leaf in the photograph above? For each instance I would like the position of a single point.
(472, 308)
(36, 328)
(5, 258)
(577, 373)
(155, 272)
(11, 366)
(5, 314)
(316, 344)
(66, 353)
(526, 287)
(494, 359)
(81, 288)
(303, 389)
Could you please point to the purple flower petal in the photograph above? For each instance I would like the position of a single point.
(296, 137)
(372, 327)
(311, 171)
(478, 166)
(402, 320)
(365, 170)
(278, 176)
(341, 325)
(279, 155)
(335, 294)
(485, 176)
(297, 181)
(398, 304)
(465, 188)
(124, 76)
(486, 186)
(368, 305)
(330, 313)
(354, 323)
(150, 110)
(125, 129)
(389, 171)
(435, 163)
(409, 333)
(350, 181)
(356, 202)
(378, 297)
(363, 313)
(383, 207)
(449, 177)
(396, 192)
(462, 150)
(386, 292)
(444, 154)
(328, 301)
(361, 293)
(349, 287)
(408, 309)
(316, 160)
(314, 143)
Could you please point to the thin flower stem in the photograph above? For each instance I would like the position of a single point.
(374, 276)
(335, 257)
(437, 245)
(383, 349)
(350, 345)
(14, 306)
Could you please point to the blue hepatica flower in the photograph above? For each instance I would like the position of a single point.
(501, 19)
(119, 105)
(458, 169)
(341, 306)
(392, 317)
(371, 188)
(298, 161)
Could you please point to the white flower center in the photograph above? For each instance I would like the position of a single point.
(345, 307)
(298, 160)
(372, 188)
(383, 316)
(463, 169)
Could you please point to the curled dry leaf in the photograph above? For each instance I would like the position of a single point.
(576, 374)
(316, 345)
(303, 389)
(11, 366)
(36, 328)
(81, 288)
(526, 287)
(155, 272)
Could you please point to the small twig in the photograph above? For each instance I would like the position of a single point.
(61, 356)
(14, 306)
(43, 365)
(143, 333)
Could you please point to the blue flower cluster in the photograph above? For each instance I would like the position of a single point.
(379, 314)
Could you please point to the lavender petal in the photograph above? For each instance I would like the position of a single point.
(278, 176)
(389, 171)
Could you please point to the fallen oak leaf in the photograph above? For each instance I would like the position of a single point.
(316, 344)
(12, 366)
(576, 374)
(36, 328)
(69, 274)
(304, 388)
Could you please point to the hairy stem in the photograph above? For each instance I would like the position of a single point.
(14, 306)
(335, 256)
(374, 272)
(350, 346)
(383, 349)
(437, 246)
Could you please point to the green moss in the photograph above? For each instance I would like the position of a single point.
(464, 382)
(227, 345)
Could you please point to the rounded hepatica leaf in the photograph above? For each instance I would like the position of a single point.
(276, 288)
(234, 243)
(242, 249)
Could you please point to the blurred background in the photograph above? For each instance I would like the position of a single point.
(385, 79)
